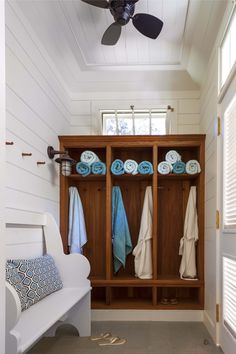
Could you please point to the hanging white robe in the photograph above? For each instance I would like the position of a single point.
(143, 249)
(187, 243)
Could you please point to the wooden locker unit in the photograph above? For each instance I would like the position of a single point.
(170, 196)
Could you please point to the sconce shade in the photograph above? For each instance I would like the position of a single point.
(66, 168)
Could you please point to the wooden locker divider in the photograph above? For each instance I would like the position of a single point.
(170, 196)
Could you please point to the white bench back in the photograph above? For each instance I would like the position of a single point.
(26, 233)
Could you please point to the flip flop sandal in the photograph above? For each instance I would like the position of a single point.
(173, 301)
(114, 341)
(165, 301)
(106, 335)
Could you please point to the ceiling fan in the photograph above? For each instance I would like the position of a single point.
(123, 11)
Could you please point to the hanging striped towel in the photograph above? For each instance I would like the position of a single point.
(131, 167)
(164, 168)
(173, 156)
(193, 167)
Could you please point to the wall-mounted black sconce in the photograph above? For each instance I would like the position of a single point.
(65, 160)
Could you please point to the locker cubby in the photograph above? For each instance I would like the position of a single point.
(184, 296)
(75, 153)
(131, 297)
(138, 154)
(187, 152)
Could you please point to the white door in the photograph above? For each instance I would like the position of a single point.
(228, 225)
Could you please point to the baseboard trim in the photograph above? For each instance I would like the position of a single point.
(148, 315)
(210, 325)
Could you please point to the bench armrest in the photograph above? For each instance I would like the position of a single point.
(74, 269)
(13, 307)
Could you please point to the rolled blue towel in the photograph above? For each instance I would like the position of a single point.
(145, 168)
(83, 169)
(131, 167)
(173, 156)
(98, 168)
(193, 167)
(117, 167)
(89, 157)
(179, 167)
(164, 168)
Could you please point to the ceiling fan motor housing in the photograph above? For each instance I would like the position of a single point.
(122, 10)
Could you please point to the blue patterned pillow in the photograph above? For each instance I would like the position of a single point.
(33, 279)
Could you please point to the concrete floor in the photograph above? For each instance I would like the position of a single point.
(142, 338)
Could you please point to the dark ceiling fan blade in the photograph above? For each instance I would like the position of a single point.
(148, 25)
(104, 4)
(112, 34)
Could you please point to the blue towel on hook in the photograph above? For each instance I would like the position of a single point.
(145, 168)
(83, 169)
(121, 239)
(98, 168)
(117, 167)
(179, 167)
(77, 236)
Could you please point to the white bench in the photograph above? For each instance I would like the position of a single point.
(29, 235)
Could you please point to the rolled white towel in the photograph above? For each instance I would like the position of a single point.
(173, 156)
(193, 167)
(164, 168)
(89, 157)
(131, 167)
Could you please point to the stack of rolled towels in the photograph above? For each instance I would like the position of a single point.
(90, 164)
(173, 164)
(118, 167)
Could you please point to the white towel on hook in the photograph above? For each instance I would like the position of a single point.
(77, 236)
(143, 249)
(187, 249)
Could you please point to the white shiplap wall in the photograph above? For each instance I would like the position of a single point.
(2, 176)
(208, 124)
(86, 110)
(37, 112)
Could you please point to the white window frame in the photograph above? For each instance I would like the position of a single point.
(116, 113)
(222, 88)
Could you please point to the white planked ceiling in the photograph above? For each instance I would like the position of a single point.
(71, 33)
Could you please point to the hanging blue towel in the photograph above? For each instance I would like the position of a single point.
(98, 168)
(145, 168)
(117, 167)
(77, 236)
(83, 169)
(122, 244)
(179, 167)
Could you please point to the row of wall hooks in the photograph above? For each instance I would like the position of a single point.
(26, 154)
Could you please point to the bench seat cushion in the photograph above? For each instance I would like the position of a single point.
(36, 320)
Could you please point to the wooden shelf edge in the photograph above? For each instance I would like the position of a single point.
(147, 283)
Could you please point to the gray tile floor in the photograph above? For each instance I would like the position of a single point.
(142, 338)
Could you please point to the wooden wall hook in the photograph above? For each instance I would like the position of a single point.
(41, 162)
(9, 143)
(26, 154)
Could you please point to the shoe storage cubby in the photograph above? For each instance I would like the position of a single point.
(170, 196)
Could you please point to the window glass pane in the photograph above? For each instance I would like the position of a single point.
(158, 126)
(233, 42)
(125, 126)
(142, 126)
(225, 59)
(228, 50)
(110, 128)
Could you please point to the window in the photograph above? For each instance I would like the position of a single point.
(230, 166)
(229, 295)
(228, 50)
(136, 122)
